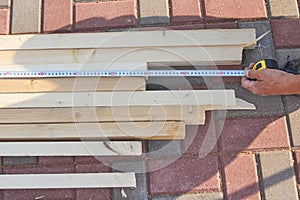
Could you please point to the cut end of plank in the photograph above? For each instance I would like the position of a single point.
(244, 105)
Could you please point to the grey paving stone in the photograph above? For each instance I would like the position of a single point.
(265, 105)
(283, 8)
(292, 107)
(4, 3)
(203, 196)
(26, 17)
(264, 48)
(141, 191)
(154, 12)
(159, 148)
(282, 55)
(278, 175)
(13, 161)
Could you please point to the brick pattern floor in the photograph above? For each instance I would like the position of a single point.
(258, 153)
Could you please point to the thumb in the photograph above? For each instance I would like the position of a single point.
(252, 74)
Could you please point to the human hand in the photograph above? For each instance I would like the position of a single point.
(270, 82)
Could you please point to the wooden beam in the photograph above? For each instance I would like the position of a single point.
(70, 148)
(139, 98)
(188, 114)
(72, 84)
(138, 39)
(181, 56)
(58, 181)
(94, 131)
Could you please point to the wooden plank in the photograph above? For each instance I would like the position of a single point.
(94, 131)
(139, 98)
(59, 66)
(138, 39)
(70, 148)
(58, 181)
(72, 84)
(182, 56)
(188, 114)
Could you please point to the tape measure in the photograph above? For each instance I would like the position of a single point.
(120, 73)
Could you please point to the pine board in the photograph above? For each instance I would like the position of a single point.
(188, 114)
(139, 98)
(94, 131)
(72, 84)
(70, 148)
(138, 39)
(45, 65)
(58, 181)
(181, 56)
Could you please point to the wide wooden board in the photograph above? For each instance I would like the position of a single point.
(180, 56)
(32, 85)
(94, 131)
(104, 99)
(64, 65)
(188, 114)
(221, 37)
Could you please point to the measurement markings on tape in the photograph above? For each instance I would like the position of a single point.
(119, 73)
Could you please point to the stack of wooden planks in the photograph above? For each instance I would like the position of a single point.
(93, 116)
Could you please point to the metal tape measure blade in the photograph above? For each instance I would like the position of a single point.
(120, 73)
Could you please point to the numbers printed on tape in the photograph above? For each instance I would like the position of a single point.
(120, 73)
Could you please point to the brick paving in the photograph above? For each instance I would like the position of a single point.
(258, 153)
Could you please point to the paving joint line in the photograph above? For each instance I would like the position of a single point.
(260, 177)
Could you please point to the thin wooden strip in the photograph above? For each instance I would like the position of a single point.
(70, 148)
(183, 56)
(72, 84)
(139, 98)
(57, 181)
(94, 131)
(188, 114)
(129, 39)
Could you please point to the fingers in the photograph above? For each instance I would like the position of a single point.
(252, 74)
(247, 83)
(253, 86)
(251, 65)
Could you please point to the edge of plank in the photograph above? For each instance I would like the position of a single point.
(84, 180)
(106, 148)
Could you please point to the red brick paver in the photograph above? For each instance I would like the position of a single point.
(105, 15)
(241, 178)
(185, 11)
(195, 136)
(218, 10)
(254, 134)
(49, 160)
(286, 33)
(4, 21)
(186, 174)
(57, 15)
